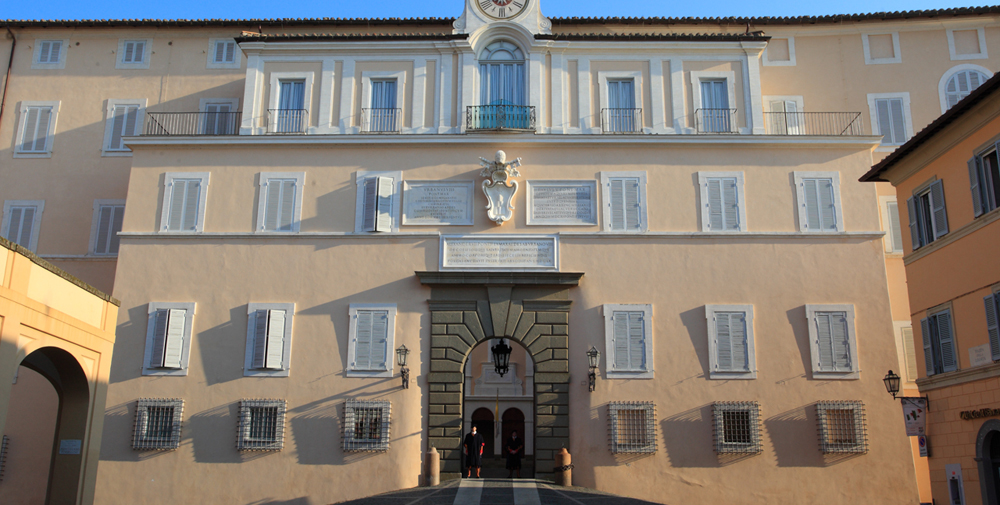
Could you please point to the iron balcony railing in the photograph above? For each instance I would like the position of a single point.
(621, 120)
(381, 120)
(813, 123)
(192, 123)
(715, 121)
(500, 118)
(287, 120)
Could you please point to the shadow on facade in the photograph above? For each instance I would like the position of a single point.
(689, 443)
(793, 437)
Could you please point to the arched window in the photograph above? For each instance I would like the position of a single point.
(501, 69)
(961, 84)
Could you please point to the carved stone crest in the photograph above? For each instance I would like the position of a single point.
(500, 187)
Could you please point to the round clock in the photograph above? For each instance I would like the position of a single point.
(502, 9)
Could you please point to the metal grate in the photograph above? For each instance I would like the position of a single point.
(632, 427)
(261, 426)
(366, 425)
(737, 427)
(4, 446)
(842, 427)
(157, 424)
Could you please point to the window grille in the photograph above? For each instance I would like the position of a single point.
(366, 425)
(737, 427)
(842, 427)
(262, 425)
(157, 424)
(4, 446)
(632, 427)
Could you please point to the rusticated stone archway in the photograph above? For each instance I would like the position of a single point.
(531, 308)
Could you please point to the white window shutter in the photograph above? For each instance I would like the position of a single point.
(259, 338)
(617, 203)
(715, 210)
(976, 185)
(633, 205)
(828, 210)
(925, 330)
(42, 133)
(380, 335)
(54, 51)
(620, 323)
(723, 342)
(384, 220)
(178, 188)
(898, 128)
(43, 52)
(738, 333)
(175, 339)
(139, 52)
(370, 206)
(287, 207)
(911, 209)
(991, 325)
(118, 124)
(14, 225)
(949, 361)
(30, 128)
(731, 205)
(275, 339)
(811, 204)
(824, 335)
(272, 204)
(841, 343)
(160, 318)
(105, 220)
(27, 226)
(192, 198)
(909, 353)
(636, 341)
(230, 52)
(129, 52)
(220, 52)
(940, 213)
(363, 340)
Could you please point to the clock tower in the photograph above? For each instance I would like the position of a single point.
(482, 13)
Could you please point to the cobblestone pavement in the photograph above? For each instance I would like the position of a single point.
(497, 492)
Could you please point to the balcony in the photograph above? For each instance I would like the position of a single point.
(192, 123)
(813, 123)
(500, 118)
(621, 120)
(381, 120)
(715, 121)
(281, 121)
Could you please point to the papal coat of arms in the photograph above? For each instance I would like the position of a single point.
(500, 187)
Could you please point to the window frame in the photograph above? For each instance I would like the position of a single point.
(897, 55)
(935, 347)
(36, 223)
(245, 420)
(886, 218)
(767, 62)
(914, 215)
(22, 124)
(860, 425)
(237, 54)
(390, 337)
(907, 118)
(729, 77)
(606, 178)
(722, 446)
(951, 72)
(952, 50)
(351, 444)
(703, 179)
(147, 52)
(263, 178)
(189, 307)
(609, 310)
(95, 225)
(286, 354)
(399, 76)
(36, 53)
(622, 75)
(307, 93)
(713, 356)
(649, 428)
(109, 124)
(140, 439)
(800, 196)
(359, 210)
(167, 195)
(854, 372)
(900, 329)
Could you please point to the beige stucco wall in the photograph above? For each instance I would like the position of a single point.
(31, 427)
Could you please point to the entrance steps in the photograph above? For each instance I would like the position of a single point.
(495, 467)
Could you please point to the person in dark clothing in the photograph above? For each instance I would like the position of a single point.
(514, 449)
(473, 448)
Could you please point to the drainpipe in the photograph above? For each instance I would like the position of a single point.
(10, 63)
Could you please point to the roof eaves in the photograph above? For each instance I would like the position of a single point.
(347, 37)
(787, 20)
(639, 37)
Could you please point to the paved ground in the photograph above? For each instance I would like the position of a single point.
(497, 492)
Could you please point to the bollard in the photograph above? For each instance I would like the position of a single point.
(564, 468)
(433, 467)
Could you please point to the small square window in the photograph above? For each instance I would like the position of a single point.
(842, 427)
(262, 425)
(737, 427)
(632, 427)
(881, 48)
(49, 54)
(133, 53)
(223, 53)
(366, 425)
(157, 424)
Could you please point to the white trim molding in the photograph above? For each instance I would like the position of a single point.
(609, 310)
(262, 180)
(952, 50)
(147, 51)
(741, 206)
(189, 308)
(22, 124)
(713, 355)
(896, 56)
(286, 355)
(790, 62)
(855, 370)
(390, 337)
(168, 184)
(36, 55)
(800, 198)
(36, 222)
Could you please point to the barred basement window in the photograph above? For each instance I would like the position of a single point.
(632, 427)
(262, 425)
(157, 424)
(4, 445)
(842, 427)
(366, 425)
(737, 427)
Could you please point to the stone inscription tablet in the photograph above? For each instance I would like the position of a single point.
(498, 253)
(435, 203)
(562, 203)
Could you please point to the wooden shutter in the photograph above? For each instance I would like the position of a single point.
(633, 205)
(723, 342)
(174, 339)
(991, 325)
(827, 207)
(363, 340)
(380, 336)
(230, 52)
(620, 322)
(43, 52)
(30, 128)
(159, 340)
(21, 225)
(925, 330)
(636, 341)
(909, 353)
(275, 339)
(911, 210)
(14, 225)
(104, 230)
(940, 214)
(225, 52)
(811, 204)
(279, 206)
(370, 205)
(716, 222)
(42, 131)
(976, 180)
(949, 361)
(287, 208)
(129, 52)
(123, 125)
(34, 138)
(383, 221)
(617, 203)
(138, 51)
(259, 338)
(625, 203)
(841, 341)
(738, 332)
(730, 204)
(824, 340)
(192, 199)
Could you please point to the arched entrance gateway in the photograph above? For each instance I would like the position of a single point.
(988, 458)
(529, 308)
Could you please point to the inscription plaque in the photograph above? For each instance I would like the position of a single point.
(432, 203)
(498, 253)
(570, 203)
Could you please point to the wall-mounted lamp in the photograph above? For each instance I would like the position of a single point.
(891, 381)
(501, 357)
(404, 372)
(594, 356)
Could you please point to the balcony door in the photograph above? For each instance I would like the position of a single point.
(715, 113)
(217, 119)
(502, 95)
(383, 112)
(622, 114)
(290, 116)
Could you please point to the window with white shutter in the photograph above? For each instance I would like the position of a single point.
(133, 53)
(909, 353)
(36, 129)
(722, 205)
(378, 201)
(624, 201)
(49, 54)
(785, 116)
(223, 53)
(123, 119)
(818, 195)
(168, 338)
(370, 346)
(269, 339)
(832, 341)
(928, 214)
(730, 342)
(893, 240)
(107, 222)
(628, 340)
(184, 197)
(940, 349)
(279, 206)
(261, 425)
(22, 221)
(890, 117)
(157, 424)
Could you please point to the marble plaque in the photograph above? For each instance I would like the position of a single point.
(980, 355)
(572, 203)
(435, 203)
(500, 252)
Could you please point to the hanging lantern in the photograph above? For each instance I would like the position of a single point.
(891, 381)
(501, 357)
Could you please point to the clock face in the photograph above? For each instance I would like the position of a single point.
(502, 9)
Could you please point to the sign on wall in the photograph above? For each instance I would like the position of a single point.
(567, 203)
(500, 252)
(980, 355)
(915, 416)
(436, 203)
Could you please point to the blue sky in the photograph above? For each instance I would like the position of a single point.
(198, 9)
